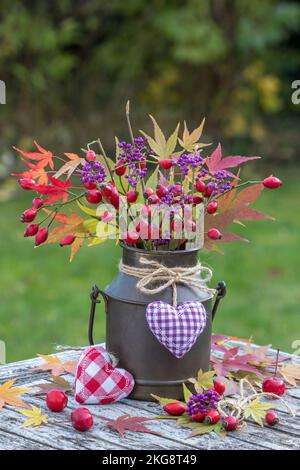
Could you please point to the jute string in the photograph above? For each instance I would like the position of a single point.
(158, 273)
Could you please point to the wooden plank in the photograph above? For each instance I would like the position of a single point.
(60, 435)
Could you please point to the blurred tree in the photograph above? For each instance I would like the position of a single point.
(70, 66)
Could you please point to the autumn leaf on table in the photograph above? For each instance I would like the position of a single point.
(56, 192)
(190, 141)
(36, 172)
(35, 417)
(59, 383)
(163, 148)
(233, 361)
(256, 410)
(290, 373)
(204, 380)
(130, 423)
(9, 395)
(43, 156)
(54, 364)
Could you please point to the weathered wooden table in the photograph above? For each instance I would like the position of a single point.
(61, 435)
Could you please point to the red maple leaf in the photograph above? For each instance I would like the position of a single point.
(233, 207)
(215, 162)
(58, 190)
(130, 423)
(232, 361)
(44, 156)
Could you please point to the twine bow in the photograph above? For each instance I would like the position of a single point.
(168, 277)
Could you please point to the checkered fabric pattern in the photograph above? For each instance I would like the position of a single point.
(97, 381)
(176, 328)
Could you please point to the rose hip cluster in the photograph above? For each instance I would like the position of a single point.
(81, 418)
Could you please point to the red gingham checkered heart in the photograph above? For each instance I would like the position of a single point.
(97, 381)
(176, 328)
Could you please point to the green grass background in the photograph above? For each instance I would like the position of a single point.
(45, 299)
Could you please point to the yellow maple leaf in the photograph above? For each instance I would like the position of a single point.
(257, 410)
(290, 373)
(35, 417)
(56, 366)
(204, 380)
(9, 395)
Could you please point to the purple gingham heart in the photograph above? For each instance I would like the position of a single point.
(176, 328)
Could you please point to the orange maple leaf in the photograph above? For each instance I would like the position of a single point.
(9, 394)
(56, 366)
(69, 224)
(42, 155)
(36, 172)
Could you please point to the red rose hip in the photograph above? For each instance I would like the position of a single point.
(41, 236)
(56, 400)
(274, 385)
(212, 417)
(31, 230)
(212, 207)
(132, 196)
(82, 419)
(198, 417)
(28, 215)
(131, 238)
(271, 418)
(165, 164)
(90, 156)
(214, 234)
(272, 182)
(27, 183)
(67, 240)
(93, 196)
(37, 202)
(230, 423)
(200, 186)
(120, 168)
(219, 387)
(175, 408)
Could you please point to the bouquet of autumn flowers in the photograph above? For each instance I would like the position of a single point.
(155, 193)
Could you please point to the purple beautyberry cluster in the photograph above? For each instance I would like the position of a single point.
(93, 173)
(189, 161)
(203, 402)
(134, 157)
(219, 182)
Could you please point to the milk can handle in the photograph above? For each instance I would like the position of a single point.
(221, 292)
(94, 301)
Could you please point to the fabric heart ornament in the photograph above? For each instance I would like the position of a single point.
(176, 328)
(97, 381)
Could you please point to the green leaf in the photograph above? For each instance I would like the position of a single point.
(87, 210)
(203, 428)
(165, 401)
(186, 393)
(152, 180)
(257, 410)
(91, 225)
